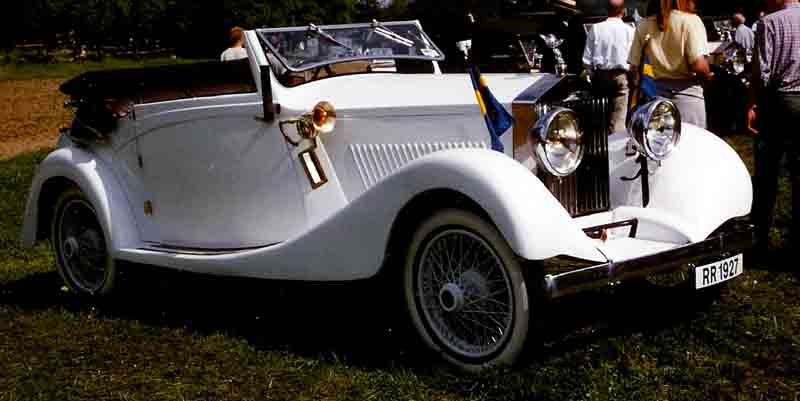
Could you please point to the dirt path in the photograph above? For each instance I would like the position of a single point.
(31, 113)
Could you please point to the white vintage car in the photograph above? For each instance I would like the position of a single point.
(336, 153)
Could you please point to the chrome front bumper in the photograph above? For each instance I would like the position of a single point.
(564, 277)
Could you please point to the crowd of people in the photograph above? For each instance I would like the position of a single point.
(674, 41)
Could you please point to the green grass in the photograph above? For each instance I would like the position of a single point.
(66, 69)
(173, 336)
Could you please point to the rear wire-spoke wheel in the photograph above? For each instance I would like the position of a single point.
(466, 292)
(80, 247)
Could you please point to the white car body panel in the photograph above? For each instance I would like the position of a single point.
(400, 94)
(326, 252)
(213, 165)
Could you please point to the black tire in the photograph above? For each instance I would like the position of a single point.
(80, 246)
(476, 313)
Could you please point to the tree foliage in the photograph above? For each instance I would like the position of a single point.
(199, 28)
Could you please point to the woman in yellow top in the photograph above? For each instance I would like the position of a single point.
(677, 49)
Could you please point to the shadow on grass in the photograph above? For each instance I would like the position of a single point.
(357, 322)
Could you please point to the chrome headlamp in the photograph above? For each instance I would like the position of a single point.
(557, 141)
(656, 128)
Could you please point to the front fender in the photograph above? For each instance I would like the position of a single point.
(535, 225)
(702, 185)
(97, 182)
(533, 222)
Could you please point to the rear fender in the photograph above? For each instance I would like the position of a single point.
(96, 180)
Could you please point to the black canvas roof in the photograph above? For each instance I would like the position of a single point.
(153, 84)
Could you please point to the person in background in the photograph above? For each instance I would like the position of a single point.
(743, 36)
(677, 50)
(754, 28)
(776, 93)
(606, 59)
(236, 50)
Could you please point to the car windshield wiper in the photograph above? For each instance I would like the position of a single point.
(324, 35)
(378, 28)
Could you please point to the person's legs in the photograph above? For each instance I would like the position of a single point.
(794, 163)
(619, 103)
(614, 85)
(769, 150)
(768, 155)
(791, 108)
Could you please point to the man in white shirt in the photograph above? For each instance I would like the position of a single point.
(606, 57)
(236, 51)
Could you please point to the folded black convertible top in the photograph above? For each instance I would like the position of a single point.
(154, 84)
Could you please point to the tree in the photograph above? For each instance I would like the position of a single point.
(366, 10)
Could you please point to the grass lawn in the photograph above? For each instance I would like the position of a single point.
(171, 336)
(66, 69)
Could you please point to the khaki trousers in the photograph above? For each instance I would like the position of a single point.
(615, 83)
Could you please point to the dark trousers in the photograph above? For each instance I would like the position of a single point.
(779, 123)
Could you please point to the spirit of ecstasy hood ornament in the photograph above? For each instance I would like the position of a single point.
(553, 42)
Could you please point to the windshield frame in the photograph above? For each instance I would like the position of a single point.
(265, 43)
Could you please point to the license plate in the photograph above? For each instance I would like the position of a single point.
(718, 272)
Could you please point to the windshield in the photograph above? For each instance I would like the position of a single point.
(312, 46)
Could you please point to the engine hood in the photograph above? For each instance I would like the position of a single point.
(417, 93)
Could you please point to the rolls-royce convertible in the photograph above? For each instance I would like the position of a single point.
(338, 153)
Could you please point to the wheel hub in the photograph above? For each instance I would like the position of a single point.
(71, 247)
(451, 297)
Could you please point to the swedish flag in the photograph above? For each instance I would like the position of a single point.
(647, 85)
(498, 120)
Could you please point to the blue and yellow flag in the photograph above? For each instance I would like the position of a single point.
(647, 85)
(498, 120)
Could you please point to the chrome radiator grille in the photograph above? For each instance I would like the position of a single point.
(586, 191)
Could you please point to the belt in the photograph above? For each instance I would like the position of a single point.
(614, 70)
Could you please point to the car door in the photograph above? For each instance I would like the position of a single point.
(216, 177)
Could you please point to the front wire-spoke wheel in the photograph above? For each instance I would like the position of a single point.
(80, 247)
(466, 292)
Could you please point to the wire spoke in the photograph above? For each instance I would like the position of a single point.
(489, 297)
(479, 323)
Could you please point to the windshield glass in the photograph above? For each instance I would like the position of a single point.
(312, 46)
